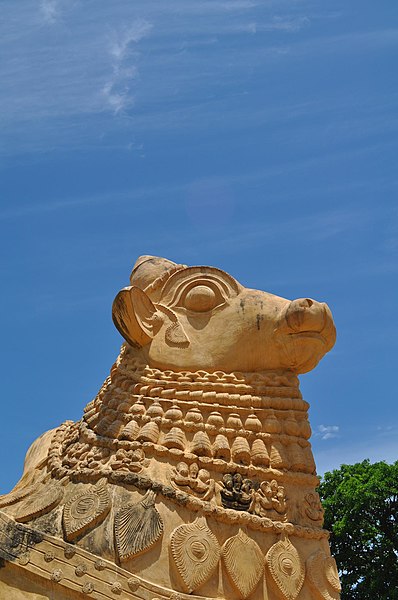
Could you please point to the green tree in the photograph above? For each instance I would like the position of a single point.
(361, 503)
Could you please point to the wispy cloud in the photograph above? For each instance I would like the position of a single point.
(288, 24)
(388, 430)
(30, 209)
(49, 83)
(118, 89)
(49, 10)
(327, 432)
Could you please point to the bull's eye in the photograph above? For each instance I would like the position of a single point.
(201, 299)
(200, 295)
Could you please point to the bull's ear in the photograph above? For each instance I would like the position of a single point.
(132, 314)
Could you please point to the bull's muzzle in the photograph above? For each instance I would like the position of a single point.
(305, 316)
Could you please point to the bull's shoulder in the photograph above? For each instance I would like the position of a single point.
(35, 462)
(37, 453)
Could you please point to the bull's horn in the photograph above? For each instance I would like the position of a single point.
(149, 270)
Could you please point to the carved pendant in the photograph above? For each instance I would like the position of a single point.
(323, 575)
(45, 498)
(286, 568)
(85, 510)
(196, 552)
(137, 527)
(244, 563)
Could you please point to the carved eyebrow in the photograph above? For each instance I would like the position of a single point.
(203, 275)
(175, 296)
(218, 286)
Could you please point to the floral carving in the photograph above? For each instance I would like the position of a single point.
(137, 527)
(286, 568)
(86, 510)
(244, 563)
(196, 552)
(323, 575)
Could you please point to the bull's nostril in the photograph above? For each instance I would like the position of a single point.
(304, 314)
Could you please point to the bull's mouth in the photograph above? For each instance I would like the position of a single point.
(308, 334)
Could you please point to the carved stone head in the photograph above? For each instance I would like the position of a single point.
(194, 318)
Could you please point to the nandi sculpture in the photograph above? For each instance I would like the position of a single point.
(191, 472)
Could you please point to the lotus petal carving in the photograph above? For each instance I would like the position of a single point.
(85, 510)
(196, 552)
(286, 568)
(41, 501)
(137, 527)
(323, 575)
(244, 563)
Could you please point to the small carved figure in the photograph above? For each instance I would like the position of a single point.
(269, 496)
(196, 480)
(131, 460)
(237, 493)
(181, 476)
(313, 507)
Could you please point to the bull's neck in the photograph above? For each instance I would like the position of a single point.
(235, 400)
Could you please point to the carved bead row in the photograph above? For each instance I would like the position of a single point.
(220, 453)
(117, 395)
(111, 419)
(280, 452)
(128, 366)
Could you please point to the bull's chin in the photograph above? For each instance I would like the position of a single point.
(313, 335)
(306, 349)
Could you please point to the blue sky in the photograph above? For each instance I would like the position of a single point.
(256, 136)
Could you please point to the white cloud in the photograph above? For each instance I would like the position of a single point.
(66, 89)
(49, 10)
(122, 40)
(287, 24)
(118, 89)
(327, 432)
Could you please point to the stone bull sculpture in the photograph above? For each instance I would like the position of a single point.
(191, 471)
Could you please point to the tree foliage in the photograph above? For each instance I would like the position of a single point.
(361, 503)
